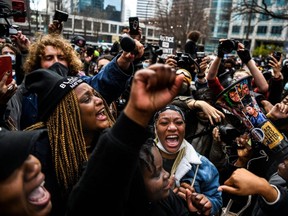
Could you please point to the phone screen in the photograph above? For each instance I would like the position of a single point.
(277, 55)
(5, 66)
(61, 16)
(134, 25)
(19, 6)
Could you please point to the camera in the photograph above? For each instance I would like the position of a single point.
(228, 133)
(60, 16)
(229, 45)
(184, 60)
(152, 52)
(17, 12)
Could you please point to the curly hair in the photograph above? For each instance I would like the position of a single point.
(36, 50)
(194, 35)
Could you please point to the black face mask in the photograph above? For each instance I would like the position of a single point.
(59, 69)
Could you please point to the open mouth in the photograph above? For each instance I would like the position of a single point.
(101, 115)
(172, 141)
(39, 196)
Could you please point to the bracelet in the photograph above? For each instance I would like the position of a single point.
(278, 196)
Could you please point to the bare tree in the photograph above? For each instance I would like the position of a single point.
(180, 18)
(262, 7)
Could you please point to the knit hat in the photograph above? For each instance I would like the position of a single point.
(169, 107)
(14, 149)
(50, 88)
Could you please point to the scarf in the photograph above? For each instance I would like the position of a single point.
(184, 160)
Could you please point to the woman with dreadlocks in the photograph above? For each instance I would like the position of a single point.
(74, 115)
(122, 169)
(54, 52)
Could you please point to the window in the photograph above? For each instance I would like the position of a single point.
(78, 24)
(113, 28)
(264, 17)
(262, 30)
(150, 32)
(105, 27)
(236, 29)
(87, 24)
(281, 2)
(250, 29)
(68, 24)
(276, 30)
(96, 26)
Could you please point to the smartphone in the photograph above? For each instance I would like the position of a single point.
(134, 25)
(61, 16)
(277, 55)
(19, 6)
(200, 56)
(6, 65)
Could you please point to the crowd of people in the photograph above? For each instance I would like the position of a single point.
(80, 127)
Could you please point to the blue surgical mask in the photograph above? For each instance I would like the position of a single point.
(145, 64)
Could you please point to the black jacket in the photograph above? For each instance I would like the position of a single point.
(261, 208)
(113, 177)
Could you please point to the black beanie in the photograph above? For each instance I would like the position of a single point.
(15, 148)
(50, 88)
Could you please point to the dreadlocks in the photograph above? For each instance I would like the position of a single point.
(67, 140)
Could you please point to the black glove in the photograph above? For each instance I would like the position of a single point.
(220, 52)
(244, 55)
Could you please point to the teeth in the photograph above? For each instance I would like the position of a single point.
(171, 137)
(101, 111)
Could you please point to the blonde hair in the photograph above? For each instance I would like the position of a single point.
(37, 50)
(242, 70)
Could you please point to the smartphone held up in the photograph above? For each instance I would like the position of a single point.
(19, 11)
(60, 16)
(134, 25)
(6, 66)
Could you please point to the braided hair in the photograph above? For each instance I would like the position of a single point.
(67, 140)
(146, 156)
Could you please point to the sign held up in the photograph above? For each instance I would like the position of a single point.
(166, 43)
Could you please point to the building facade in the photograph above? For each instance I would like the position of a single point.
(259, 29)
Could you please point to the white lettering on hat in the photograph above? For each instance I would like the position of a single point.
(71, 82)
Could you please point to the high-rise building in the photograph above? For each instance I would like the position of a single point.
(147, 9)
(102, 9)
(257, 29)
(220, 12)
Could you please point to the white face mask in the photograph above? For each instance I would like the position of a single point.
(145, 64)
(13, 58)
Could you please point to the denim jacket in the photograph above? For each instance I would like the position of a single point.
(206, 181)
(110, 82)
(196, 168)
